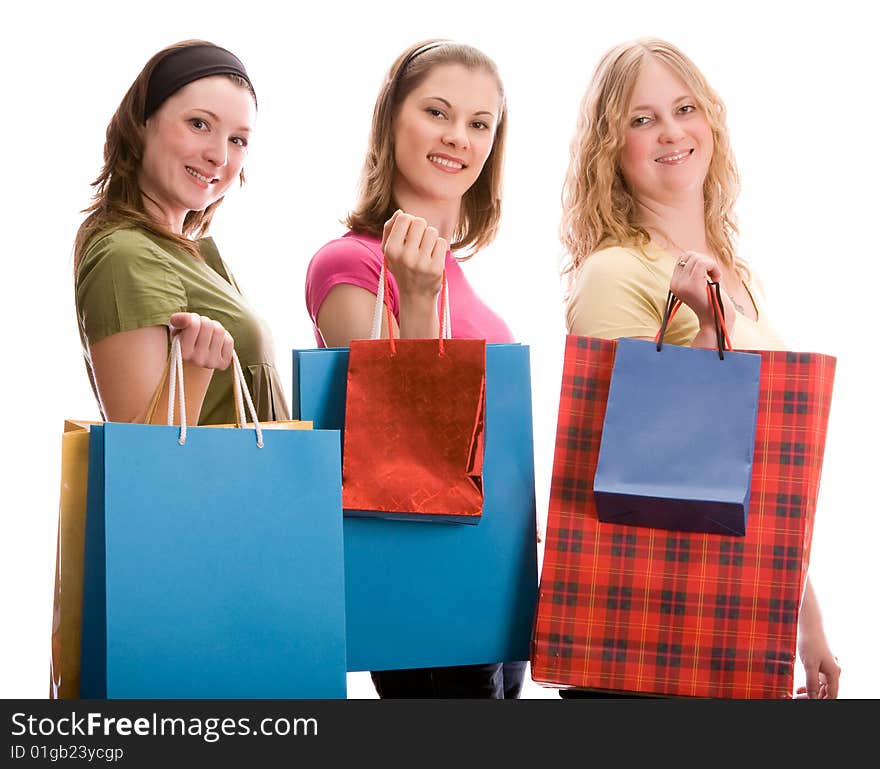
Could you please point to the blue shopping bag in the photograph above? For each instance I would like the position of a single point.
(678, 438)
(422, 595)
(213, 569)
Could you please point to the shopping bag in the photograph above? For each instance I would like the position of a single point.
(637, 609)
(213, 562)
(413, 443)
(429, 595)
(678, 438)
(67, 601)
(679, 432)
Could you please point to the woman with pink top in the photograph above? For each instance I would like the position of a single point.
(430, 197)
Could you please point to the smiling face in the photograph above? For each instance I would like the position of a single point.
(194, 148)
(443, 133)
(668, 141)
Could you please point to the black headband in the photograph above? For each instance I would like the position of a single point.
(418, 52)
(184, 65)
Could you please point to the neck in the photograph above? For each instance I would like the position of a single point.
(681, 226)
(442, 214)
(157, 213)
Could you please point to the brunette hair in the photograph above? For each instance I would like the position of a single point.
(481, 205)
(117, 201)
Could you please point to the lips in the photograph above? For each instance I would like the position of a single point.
(447, 162)
(671, 158)
(202, 177)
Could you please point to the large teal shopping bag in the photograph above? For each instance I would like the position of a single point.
(213, 569)
(421, 594)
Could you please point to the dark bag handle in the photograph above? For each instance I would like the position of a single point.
(713, 293)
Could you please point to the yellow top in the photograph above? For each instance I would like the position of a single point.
(619, 291)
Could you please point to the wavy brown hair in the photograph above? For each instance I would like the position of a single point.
(598, 207)
(117, 201)
(481, 205)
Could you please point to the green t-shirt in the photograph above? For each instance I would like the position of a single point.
(129, 278)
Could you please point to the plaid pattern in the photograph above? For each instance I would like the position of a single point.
(675, 613)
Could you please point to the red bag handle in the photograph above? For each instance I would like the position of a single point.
(382, 294)
(713, 294)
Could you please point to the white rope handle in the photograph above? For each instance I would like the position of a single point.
(175, 383)
(175, 374)
(446, 330)
(376, 331)
(243, 390)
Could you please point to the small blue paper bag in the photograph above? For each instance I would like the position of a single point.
(213, 569)
(678, 438)
(422, 595)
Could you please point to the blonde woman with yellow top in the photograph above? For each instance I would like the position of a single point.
(648, 208)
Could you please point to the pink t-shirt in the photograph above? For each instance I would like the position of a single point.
(356, 258)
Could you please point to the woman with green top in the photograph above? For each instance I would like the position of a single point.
(144, 270)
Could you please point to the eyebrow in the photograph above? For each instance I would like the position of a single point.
(243, 129)
(449, 105)
(643, 107)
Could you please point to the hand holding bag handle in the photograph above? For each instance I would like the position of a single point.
(384, 289)
(174, 369)
(713, 293)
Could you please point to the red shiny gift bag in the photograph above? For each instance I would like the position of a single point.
(413, 442)
(647, 610)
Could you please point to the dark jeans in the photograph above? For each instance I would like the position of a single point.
(491, 682)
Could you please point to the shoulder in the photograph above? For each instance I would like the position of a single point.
(622, 267)
(122, 249)
(619, 260)
(618, 291)
(348, 250)
(117, 241)
(126, 280)
(354, 259)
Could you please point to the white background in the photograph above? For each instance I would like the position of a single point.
(800, 83)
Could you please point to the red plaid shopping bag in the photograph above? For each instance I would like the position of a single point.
(684, 614)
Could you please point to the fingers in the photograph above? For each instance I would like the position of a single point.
(226, 350)
(688, 283)
(812, 680)
(387, 227)
(203, 342)
(695, 266)
(413, 239)
(439, 249)
(395, 235)
(415, 252)
(832, 678)
(703, 265)
(181, 320)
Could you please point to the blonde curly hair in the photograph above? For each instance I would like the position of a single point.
(598, 207)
